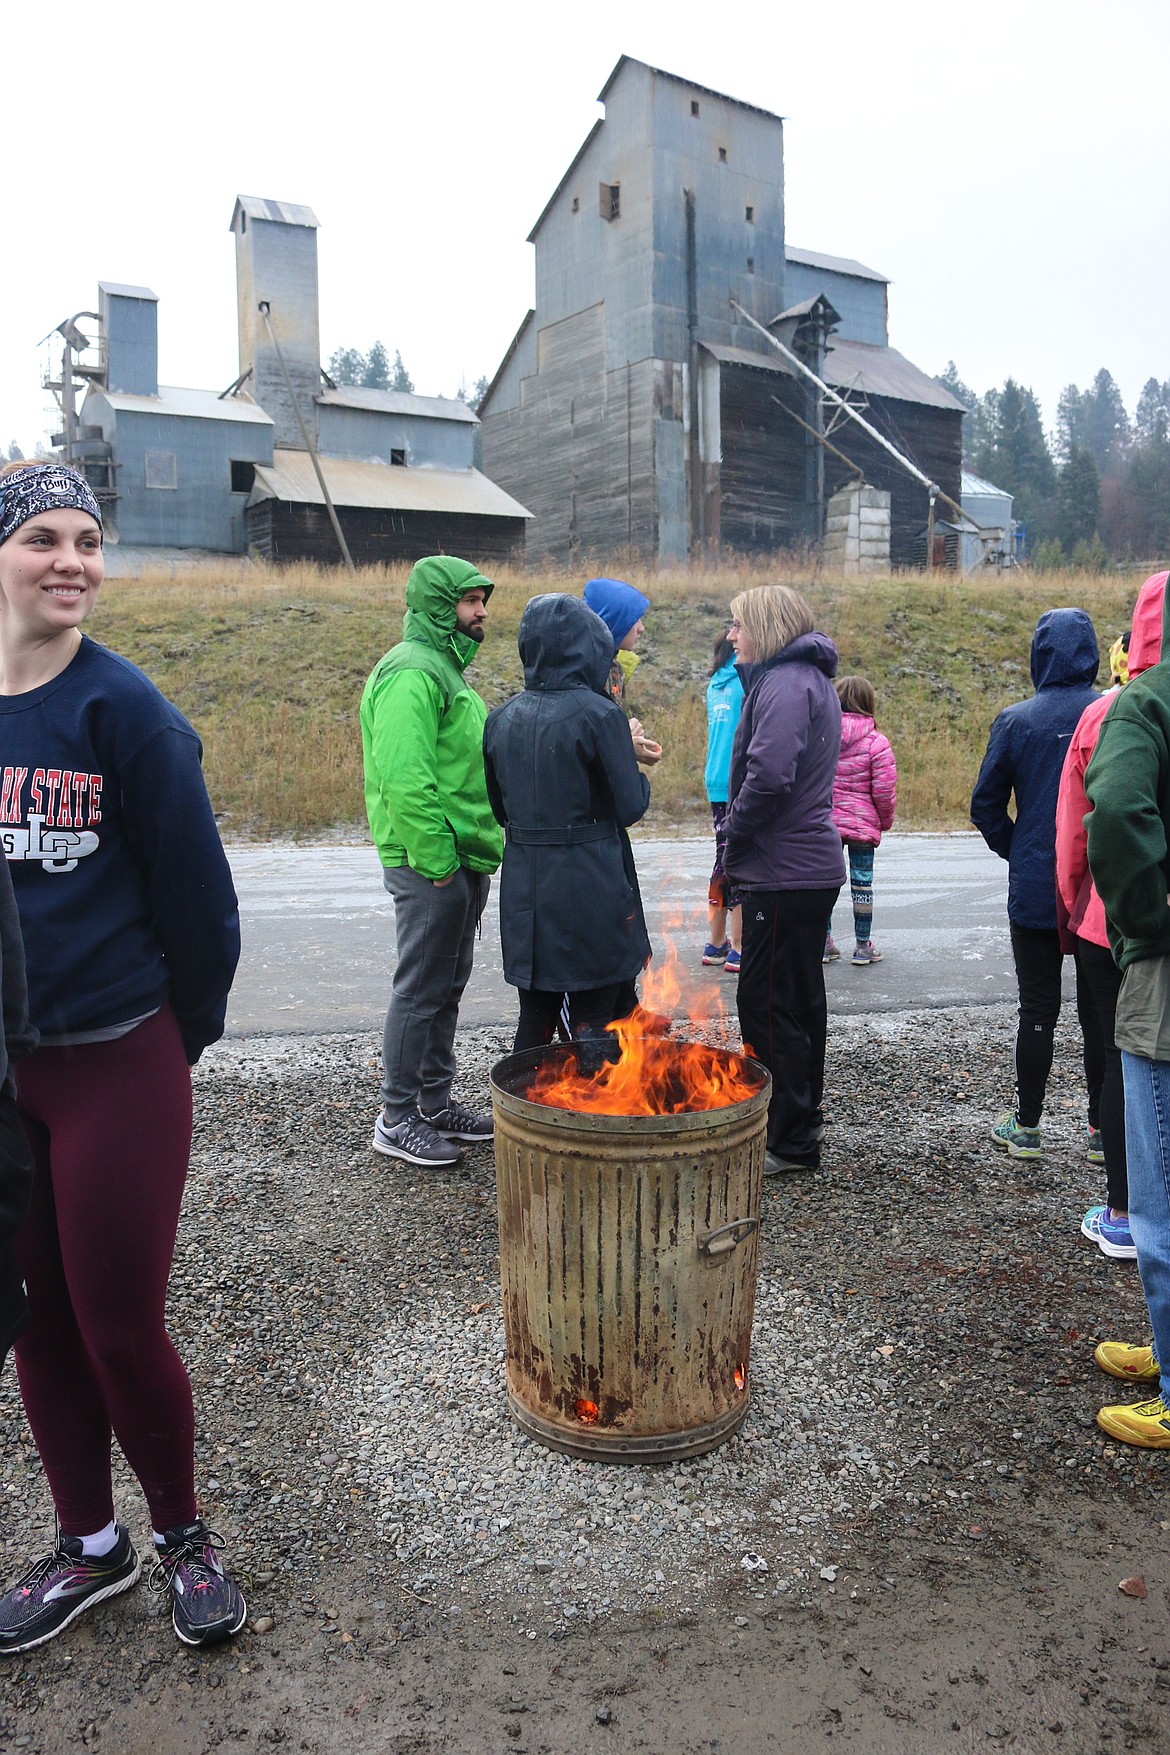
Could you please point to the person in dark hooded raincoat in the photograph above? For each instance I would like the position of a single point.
(1025, 753)
(563, 779)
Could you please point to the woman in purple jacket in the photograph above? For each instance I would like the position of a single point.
(784, 854)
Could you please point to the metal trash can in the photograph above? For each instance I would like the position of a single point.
(628, 1251)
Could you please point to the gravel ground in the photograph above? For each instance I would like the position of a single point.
(922, 1415)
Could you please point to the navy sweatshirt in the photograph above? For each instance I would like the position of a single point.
(124, 891)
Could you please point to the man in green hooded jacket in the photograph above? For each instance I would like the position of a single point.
(426, 799)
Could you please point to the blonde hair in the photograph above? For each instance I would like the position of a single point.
(772, 616)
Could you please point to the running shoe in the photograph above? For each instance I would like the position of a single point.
(1091, 1223)
(1114, 1237)
(207, 1605)
(731, 962)
(1021, 1142)
(832, 953)
(1131, 1364)
(458, 1122)
(780, 1164)
(713, 955)
(413, 1140)
(1096, 1151)
(1146, 1424)
(61, 1586)
(864, 954)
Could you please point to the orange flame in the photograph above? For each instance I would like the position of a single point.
(654, 1075)
(586, 1412)
(740, 1376)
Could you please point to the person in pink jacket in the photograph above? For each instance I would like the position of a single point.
(864, 795)
(1080, 906)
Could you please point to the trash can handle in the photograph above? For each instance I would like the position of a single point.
(725, 1238)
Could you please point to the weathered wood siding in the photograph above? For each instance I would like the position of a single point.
(578, 451)
(929, 437)
(762, 478)
(278, 531)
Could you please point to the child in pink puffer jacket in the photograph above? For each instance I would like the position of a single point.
(864, 795)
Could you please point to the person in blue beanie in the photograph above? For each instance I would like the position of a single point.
(623, 609)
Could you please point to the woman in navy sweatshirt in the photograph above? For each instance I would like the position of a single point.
(784, 855)
(131, 934)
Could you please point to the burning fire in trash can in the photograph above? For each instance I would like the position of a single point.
(629, 1201)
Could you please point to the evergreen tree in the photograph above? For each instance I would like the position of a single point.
(15, 454)
(1107, 434)
(1014, 454)
(347, 366)
(1071, 434)
(401, 379)
(478, 391)
(1151, 421)
(1078, 500)
(377, 373)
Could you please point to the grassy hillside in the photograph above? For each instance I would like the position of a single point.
(269, 666)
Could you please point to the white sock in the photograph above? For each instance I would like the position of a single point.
(101, 1543)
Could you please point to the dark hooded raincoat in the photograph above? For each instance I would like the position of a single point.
(563, 779)
(1025, 753)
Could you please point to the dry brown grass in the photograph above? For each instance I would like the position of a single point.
(269, 664)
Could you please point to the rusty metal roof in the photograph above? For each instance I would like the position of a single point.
(291, 477)
(882, 371)
(192, 404)
(399, 402)
(834, 264)
(283, 212)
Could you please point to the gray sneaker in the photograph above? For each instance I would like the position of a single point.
(413, 1140)
(458, 1122)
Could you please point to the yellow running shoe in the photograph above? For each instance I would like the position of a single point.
(1132, 1364)
(1143, 1423)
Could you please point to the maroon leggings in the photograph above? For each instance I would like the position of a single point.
(109, 1124)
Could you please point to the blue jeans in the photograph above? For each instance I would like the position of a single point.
(1147, 1147)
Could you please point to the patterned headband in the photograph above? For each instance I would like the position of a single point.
(39, 488)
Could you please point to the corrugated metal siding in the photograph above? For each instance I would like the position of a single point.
(860, 303)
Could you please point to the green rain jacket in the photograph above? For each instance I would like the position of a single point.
(422, 735)
(1128, 785)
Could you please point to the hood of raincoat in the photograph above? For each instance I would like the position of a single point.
(1064, 649)
(855, 727)
(563, 645)
(1145, 641)
(433, 589)
(619, 605)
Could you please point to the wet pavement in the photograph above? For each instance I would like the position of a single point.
(319, 934)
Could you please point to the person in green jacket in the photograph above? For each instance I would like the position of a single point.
(438, 841)
(1127, 784)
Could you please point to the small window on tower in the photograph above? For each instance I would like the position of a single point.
(398, 458)
(576, 204)
(722, 155)
(243, 476)
(694, 106)
(751, 265)
(611, 200)
(749, 213)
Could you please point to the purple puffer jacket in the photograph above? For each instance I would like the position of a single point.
(866, 787)
(780, 829)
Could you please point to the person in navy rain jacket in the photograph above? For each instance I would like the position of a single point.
(1025, 754)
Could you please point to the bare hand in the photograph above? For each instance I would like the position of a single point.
(646, 751)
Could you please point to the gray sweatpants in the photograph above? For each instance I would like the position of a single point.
(435, 929)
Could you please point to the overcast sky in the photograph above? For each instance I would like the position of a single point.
(1005, 164)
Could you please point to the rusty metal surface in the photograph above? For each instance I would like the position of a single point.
(625, 1335)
